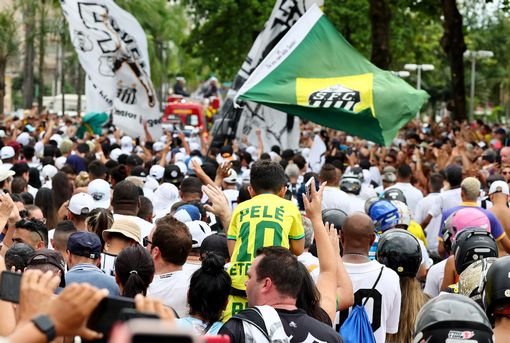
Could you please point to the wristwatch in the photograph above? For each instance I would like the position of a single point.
(45, 325)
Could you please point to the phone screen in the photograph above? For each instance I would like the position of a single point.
(308, 186)
(9, 286)
(107, 313)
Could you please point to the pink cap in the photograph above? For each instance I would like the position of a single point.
(469, 217)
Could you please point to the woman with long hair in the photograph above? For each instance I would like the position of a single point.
(134, 271)
(62, 188)
(207, 296)
(45, 200)
(399, 250)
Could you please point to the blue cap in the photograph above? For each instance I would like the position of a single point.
(86, 244)
(187, 213)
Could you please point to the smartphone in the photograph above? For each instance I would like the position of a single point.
(9, 286)
(156, 331)
(107, 313)
(308, 187)
(131, 313)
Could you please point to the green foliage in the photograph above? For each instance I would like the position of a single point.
(8, 30)
(224, 32)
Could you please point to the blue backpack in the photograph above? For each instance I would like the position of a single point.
(357, 327)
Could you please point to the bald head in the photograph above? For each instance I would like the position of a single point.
(358, 233)
(505, 155)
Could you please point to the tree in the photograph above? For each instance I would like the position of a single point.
(42, 47)
(454, 46)
(380, 17)
(28, 10)
(8, 46)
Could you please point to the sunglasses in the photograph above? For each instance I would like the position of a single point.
(388, 161)
(145, 241)
(506, 173)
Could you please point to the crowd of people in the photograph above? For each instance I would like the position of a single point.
(340, 240)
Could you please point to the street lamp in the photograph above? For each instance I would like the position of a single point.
(473, 56)
(401, 73)
(419, 68)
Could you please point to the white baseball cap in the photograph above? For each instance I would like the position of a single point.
(99, 190)
(7, 152)
(158, 146)
(115, 153)
(231, 178)
(81, 203)
(499, 187)
(57, 138)
(199, 230)
(23, 138)
(5, 172)
(126, 144)
(49, 171)
(157, 171)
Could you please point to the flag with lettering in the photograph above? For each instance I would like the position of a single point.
(314, 73)
(112, 49)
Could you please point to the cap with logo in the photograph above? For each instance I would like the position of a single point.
(81, 203)
(499, 187)
(173, 174)
(86, 244)
(231, 178)
(99, 190)
(199, 231)
(126, 144)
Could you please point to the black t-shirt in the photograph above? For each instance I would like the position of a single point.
(297, 324)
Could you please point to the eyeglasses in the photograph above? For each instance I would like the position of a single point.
(505, 172)
(146, 241)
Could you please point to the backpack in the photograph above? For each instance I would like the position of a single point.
(262, 324)
(357, 327)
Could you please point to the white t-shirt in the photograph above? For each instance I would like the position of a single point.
(172, 290)
(367, 192)
(435, 279)
(145, 226)
(231, 195)
(387, 302)
(449, 199)
(426, 206)
(311, 263)
(334, 197)
(356, 204)
(413, 195)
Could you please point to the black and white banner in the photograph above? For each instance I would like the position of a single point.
(277, 127)
(112, 49)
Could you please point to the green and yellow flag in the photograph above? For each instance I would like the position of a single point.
(314, 73)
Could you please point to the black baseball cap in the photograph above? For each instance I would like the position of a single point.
(86, 244)
(173, 174)
(47, 256)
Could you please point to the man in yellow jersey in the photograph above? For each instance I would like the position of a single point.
(265, 220)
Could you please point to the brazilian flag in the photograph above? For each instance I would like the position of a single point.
(92, 123)
(314, 73)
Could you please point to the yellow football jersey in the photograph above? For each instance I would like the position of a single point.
(265, 220)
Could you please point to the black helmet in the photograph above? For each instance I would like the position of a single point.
(334, 216)
(350, 184)
(369, 202)
(473, 244)
(471, 280)
(452, 317)
(358, 172)
(497, 286)
(399, 250)
(394, 194)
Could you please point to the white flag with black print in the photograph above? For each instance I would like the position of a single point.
(112, 49)
(277, 127)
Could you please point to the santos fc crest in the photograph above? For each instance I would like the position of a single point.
(351, 93)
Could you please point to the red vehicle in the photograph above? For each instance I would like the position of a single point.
(178, 111)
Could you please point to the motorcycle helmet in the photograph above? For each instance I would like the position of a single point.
(447, 233)
(350, 184)
(357, 172)
(469, 217)
(384, 214)
(399, 250)
(394, 194)
(473, 244)
(496, 293)
(404, 214)
(452, 318)
(334, 216)
(471, 280)
(369, 203)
